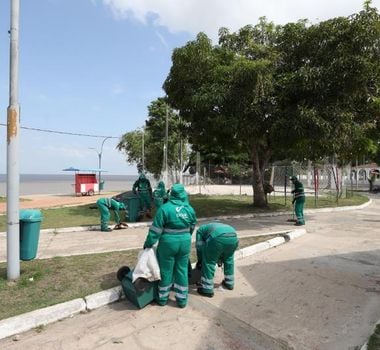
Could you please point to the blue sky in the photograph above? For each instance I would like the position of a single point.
(93, 67)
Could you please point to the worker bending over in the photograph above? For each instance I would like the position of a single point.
(216, 244)
(105, 205)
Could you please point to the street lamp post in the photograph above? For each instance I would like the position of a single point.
(100, 160)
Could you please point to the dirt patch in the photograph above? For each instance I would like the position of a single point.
(54, 201)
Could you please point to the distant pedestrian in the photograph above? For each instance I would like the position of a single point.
(216, 244)
(105, 205)
(143, 188)
(299, 200)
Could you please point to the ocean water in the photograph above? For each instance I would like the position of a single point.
(64, 184)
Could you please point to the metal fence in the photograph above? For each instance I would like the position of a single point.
(326, 182)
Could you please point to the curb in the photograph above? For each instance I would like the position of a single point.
(25, 322)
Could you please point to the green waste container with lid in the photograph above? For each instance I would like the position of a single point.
(133, 208)
(140, 293)
(132, 204)
(30, 223)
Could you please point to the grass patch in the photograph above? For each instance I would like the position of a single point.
(51, 281)
(2, 199)
(374, 340)
(205, 206)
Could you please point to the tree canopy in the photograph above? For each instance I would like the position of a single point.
(153, 136)
(298, 90)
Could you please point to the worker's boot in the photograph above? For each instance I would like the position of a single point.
(203, 293)
(225, 285)
(299, 223)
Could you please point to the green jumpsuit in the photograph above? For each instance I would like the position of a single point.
(172, 227)
(299, 199)
(216, 243)
(160, 196)
(105, 205)
(142, 185)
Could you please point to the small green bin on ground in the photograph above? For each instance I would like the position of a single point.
(101, 185)
(139, 298)
(30, 223)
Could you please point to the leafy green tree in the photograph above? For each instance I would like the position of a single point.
(154, 140)
(328, 87)
(132, 144)
(296, 91)
(225, 93)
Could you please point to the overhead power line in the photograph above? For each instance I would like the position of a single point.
(64, 132)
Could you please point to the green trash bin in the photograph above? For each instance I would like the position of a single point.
(101, 185)
(140, 293)
(133, 208)
(30, 223)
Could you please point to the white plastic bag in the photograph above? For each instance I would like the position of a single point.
(147, 266)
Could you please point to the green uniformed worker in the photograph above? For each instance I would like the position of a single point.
(216, 244)
(172, 227)
(105, 205)
(299, 200)
(143, 187)
(160, 195)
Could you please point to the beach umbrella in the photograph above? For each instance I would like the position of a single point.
(71, 169)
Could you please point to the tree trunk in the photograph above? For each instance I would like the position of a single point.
(257, 181)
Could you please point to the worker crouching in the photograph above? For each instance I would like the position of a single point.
(105, 205)
(216, 244)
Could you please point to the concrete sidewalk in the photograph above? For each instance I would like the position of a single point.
(321, 291)
(88, 240)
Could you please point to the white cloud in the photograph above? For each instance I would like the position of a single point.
(194, 16)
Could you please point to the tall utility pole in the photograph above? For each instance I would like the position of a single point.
(13, 173)
(180, 151)
(166, 148)
(143, 149)
(100, 160)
